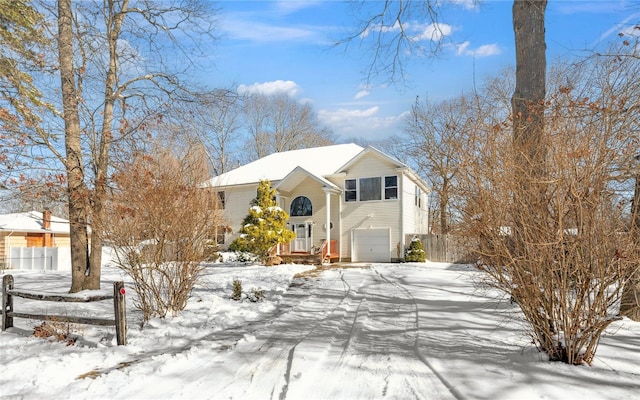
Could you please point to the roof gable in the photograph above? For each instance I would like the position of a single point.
(295, 177)
(371, 151)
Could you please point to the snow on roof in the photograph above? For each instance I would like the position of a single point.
(319, 161)
(31, 222)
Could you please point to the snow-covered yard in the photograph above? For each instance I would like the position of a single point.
(382, 331)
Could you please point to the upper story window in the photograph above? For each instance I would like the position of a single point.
(222, 199)
(371, 189)
(391, 187)
(418, 197)
(350, 191)
(301, 207)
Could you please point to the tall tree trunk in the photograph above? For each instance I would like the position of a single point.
(528, 120)
(444, 202)
(630, 302)
(529, 95)
(77, 189)
(113, 22)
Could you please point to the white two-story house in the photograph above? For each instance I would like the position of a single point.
(361, 201)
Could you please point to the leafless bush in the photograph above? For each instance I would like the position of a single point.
(57, 330)
(557, 239)
(162, 228)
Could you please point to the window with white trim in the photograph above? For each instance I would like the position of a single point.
(350, 190)
(391, 187)
(371, 189)
(301, 207)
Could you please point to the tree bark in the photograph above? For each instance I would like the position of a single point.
(630, 302)
(77, 189)
(114, 24)
(529, 95)
(527, 104)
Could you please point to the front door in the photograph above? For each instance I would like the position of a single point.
(302, 242)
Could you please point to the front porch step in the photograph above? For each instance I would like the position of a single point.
(304, 258)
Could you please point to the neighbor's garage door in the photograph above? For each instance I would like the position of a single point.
(371, 245)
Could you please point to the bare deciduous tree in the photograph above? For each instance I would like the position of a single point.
(393, 37)
(436, 134)
(216, 118)
(106, 75)
(279, 123)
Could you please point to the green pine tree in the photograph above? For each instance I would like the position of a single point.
(415, 252)
(264, 226)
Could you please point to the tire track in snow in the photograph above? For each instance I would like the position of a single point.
(281, 337)
(375, 336)
(416, 347)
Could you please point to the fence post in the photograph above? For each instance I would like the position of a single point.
(119, 310)
(7, 302)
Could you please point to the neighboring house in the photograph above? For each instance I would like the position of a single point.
(27, 237)
(371, 202)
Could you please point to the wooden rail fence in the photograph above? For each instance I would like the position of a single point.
(119, 306)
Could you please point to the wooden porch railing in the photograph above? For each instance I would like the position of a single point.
(329, 250)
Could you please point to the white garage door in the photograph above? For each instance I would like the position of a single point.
(371, 245)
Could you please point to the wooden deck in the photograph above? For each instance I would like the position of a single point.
(319, 257)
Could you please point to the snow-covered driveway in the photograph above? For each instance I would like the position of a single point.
(353, 335)
(389, 331)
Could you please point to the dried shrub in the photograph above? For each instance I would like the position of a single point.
(237, 290)
(254, 295)
(555, 235)
(56, 330)
(162, 228)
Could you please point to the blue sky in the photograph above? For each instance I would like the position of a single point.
(287, 45)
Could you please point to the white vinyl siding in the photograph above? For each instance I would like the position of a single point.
(369, 214)
(415, 217)
(237, 203)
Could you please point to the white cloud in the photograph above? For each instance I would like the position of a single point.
(485, 50)
(365, 123)
(361, 94)
(416, 31)
(626, 27)
(269, 88)
(378, 28)
(242, 26)
(467, 4)
(343, 115)
(462, 48)
(433, 32)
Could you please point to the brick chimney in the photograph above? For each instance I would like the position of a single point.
(47, 239)
(46, 219)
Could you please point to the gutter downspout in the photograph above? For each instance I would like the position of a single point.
(328, 221)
